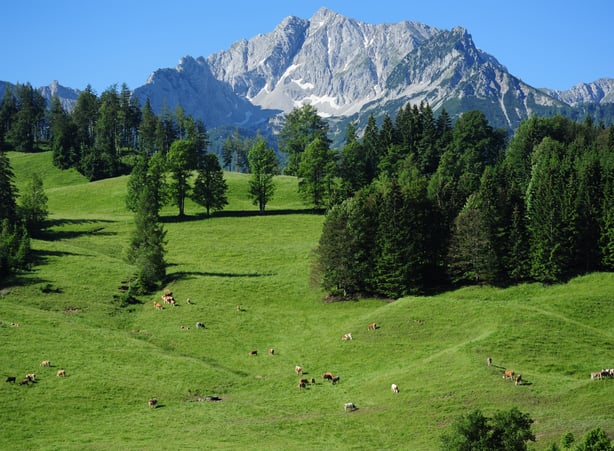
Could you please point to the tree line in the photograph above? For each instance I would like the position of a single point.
(432, 204)
(415, 203)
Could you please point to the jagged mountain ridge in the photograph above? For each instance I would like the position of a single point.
(333, 62)
(599, 91)
(349, 69)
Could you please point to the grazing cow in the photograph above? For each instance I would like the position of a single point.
(31, 377)
(25, 381)
(153, 402)
(157, 305)
(489, 361)
(298, 370)
(200, 325)
(313, 381)
(328, 376)
(508, 374)
(61, 373)
(188, 301)
(15, 324)
(45, 363)
(518, 380)
(271, 351)
(185, 328)
(254, 352)
(596, 375)
(168, 299)
(302, 383)
(349, 406)
(372, 326)
(394, 388)
(12, 379)
(347, 336)
(335, 379)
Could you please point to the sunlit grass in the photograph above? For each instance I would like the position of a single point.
(116, 358)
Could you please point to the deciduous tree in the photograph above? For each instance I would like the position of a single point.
(263, 165)
(210, 187)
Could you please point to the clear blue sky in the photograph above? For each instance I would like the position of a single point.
(554, 44)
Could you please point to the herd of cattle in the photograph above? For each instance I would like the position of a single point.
(167, 298)
(31, 377)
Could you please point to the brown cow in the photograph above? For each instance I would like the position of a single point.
(298, 369)
(45, 363)
(346, 337)
(508, 374)
(61, 373)
(157, 305)
(328, 376)
(372, 326)
(302, 383)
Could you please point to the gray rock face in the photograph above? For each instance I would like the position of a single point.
(335, 63)
(599, 91)
(349, 69)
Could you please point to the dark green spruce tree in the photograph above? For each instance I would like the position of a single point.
(147, 245)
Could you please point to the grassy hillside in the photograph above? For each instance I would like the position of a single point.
(116, 358)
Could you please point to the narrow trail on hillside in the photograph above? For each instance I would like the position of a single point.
(609, 333)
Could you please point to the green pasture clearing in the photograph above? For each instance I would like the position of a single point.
(116, 358)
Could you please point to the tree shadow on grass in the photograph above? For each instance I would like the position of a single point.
(52, 235)
(185, 275)
(241, 214)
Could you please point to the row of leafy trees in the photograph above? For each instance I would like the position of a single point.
(511, 431)
(428, 203)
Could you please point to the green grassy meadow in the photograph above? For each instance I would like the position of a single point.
(116, 358)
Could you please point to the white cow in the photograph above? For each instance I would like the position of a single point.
(394, 388)
(349, 406)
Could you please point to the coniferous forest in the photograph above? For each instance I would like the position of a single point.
(414, 203)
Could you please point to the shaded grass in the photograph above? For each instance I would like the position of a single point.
(116, 357)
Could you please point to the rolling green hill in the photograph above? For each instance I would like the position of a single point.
(116, 358)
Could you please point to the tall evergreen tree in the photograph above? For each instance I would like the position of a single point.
(549, 211)
(8, 191)
(472, 258)
(64, 141)
(84, 116)
(147, 245)
(24, 131)
(8, 110)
